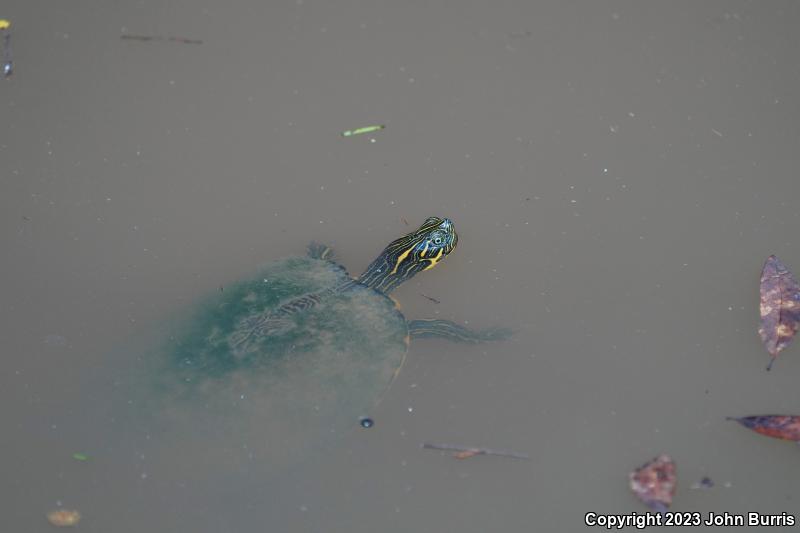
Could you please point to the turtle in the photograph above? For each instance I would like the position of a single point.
(307, 345)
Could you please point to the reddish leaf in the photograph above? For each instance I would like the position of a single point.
(466, 454)
(780, 307)
(64, 517)
(654, 483)
(778, 426)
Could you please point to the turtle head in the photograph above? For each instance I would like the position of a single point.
(422, 249)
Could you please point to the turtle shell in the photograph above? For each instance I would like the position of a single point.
(319, 375)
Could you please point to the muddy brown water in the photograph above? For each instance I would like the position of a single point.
(617, 173)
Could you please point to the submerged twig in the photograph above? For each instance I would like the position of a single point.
(131, 37)
(464, 452)
(431, 298)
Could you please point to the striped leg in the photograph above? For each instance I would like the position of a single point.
(445, 329)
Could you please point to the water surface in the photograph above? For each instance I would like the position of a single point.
(617, 172)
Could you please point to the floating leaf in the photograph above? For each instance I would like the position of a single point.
(780, 307)
(64, 517)
(80, 456)
(654, 483)
(361, 131)
(777, 426)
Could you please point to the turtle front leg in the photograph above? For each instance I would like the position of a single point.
(434, 328)
(320, 251)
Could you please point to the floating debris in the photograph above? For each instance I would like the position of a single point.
(64, 517)
(431, 298)
(654, 483)
(366, 423)
(785, 427)
(780, 307)
(143, 38)
(465, 452)
(361, 131)
(518, 34)
(705, 483)
(80, 456)
(404, 220)
(8, 64)
(55, 340)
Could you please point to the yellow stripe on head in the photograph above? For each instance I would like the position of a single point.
(401, 259)
(434, 260)
(424, 250)
(431, 242)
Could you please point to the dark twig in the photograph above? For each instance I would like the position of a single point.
(144, 38)
(463, 452)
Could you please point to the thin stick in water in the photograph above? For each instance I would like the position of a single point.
(144, 38)
(464, 452)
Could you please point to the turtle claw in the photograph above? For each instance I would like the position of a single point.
(318, 250)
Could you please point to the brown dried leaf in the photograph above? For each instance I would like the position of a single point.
(64, 517)
(778, 426)
(466, 454)
(780, 307)
(654, 483)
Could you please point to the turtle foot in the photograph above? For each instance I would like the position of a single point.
(446, 329)
(320, 251)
